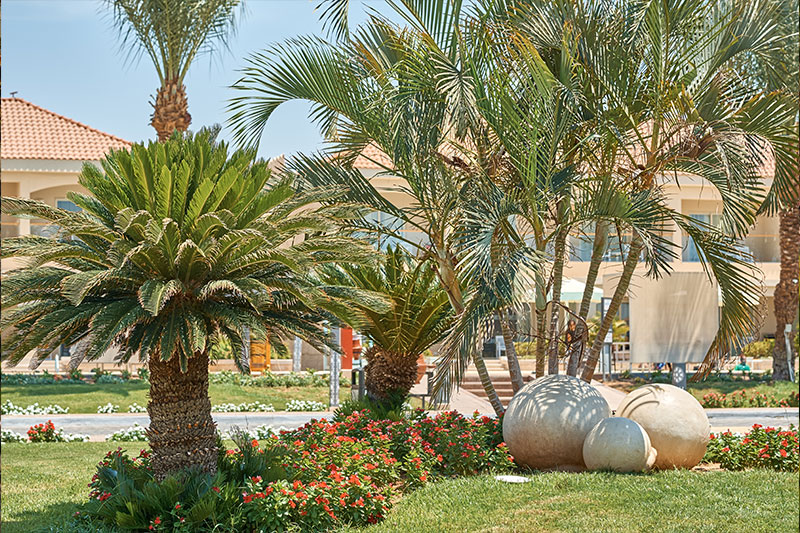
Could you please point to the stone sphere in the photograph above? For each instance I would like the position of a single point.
(675, 422)
(547, 421)
(618, 444)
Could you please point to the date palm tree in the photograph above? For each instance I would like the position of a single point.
(175, 244)
(172, 33)
(419, 317)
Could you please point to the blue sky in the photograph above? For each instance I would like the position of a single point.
(63, 55)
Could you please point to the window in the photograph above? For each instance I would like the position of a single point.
(690, 253)
(580, 246)
(42, 228)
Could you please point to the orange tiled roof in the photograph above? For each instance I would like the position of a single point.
(31, 132)
(372, 157)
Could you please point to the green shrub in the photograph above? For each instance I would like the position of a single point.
(759, 349)
(769, 447)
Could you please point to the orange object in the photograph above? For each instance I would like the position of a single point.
(260, 360)
(346, 342)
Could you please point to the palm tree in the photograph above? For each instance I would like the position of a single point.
(176, 244)
(367, 91)
(172, 33)
(779, 71)
(419, 317)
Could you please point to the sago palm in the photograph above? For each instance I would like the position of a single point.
(172, 33)
(175, 244)
(419, 317)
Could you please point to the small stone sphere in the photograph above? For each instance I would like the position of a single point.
(675, 422)
(618, 444)
(547, 421)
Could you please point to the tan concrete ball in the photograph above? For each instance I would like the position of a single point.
(547, 421)
(675, 422)
(618, 444)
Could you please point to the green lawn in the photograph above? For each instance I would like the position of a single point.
(756, 501)
(775, 388)
(84, 398)
(41, 483)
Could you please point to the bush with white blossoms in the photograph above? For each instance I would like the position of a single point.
(135, 433)
(108, 408)
(8, 408)
(242, 408)
(10, 436)
(136, 408)
(264, 431)
(305, 405)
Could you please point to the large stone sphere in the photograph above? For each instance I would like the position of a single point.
(548, 419)
(618, 444)
(675, 422)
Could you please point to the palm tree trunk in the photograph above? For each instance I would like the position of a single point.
(598, 249)
(619, 294)
(541, 340)
(786, 292)
(389, 373)
(182, 432)
(447, 276)
(170, 110)
(511, 353)
(558, 274)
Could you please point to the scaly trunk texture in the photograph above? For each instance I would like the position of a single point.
(447, 276)
(619, 294)
(786, 292)
(514, 370)
(389, 372)
(170, 110)
(182, 433)
(558, 276)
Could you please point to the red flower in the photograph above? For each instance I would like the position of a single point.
(215, 489)
(370, 466)
(256, 479)
(157, 520)
(247, 498)
(177, 506)
(726, 449)
(783, 453)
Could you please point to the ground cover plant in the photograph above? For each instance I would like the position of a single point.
(86, 397)
(761, 447)
(745, 398)
(46, 483)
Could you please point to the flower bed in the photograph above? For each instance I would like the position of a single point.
(752, 399)
(135, 433)
(108, 408)
(305, 405)
(760, 448)
(307, 379)
(8, 408)
(253, 407)
(36, 379)
(317, 477)
(47, 432)
(136, 408)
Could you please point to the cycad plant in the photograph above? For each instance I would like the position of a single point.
(172, 33)
(175, 243)
(419, 317)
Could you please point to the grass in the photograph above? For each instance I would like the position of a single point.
(85, 398)
(675, 501)
(42, 484)
(779, 389)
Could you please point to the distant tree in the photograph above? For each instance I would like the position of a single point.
(172, 33)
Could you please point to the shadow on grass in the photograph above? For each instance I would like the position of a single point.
(121, 390)
(41, 520)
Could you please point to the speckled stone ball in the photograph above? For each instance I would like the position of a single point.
(548, 419)
(618, 444)
(675, 422)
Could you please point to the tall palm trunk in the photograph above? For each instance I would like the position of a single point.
(786, 292)
(388, 372)
(447, 275)
(541, 340)
(170, 110)
(619, 294)
(514, 370)
(598, 250)
(558, 276)
(180, 416)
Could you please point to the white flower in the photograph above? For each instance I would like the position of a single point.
(108, 408)
(305, 405)
(133, 433)
(136, 408)
(8, 408)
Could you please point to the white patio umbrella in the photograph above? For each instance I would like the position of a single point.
(571, 291)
